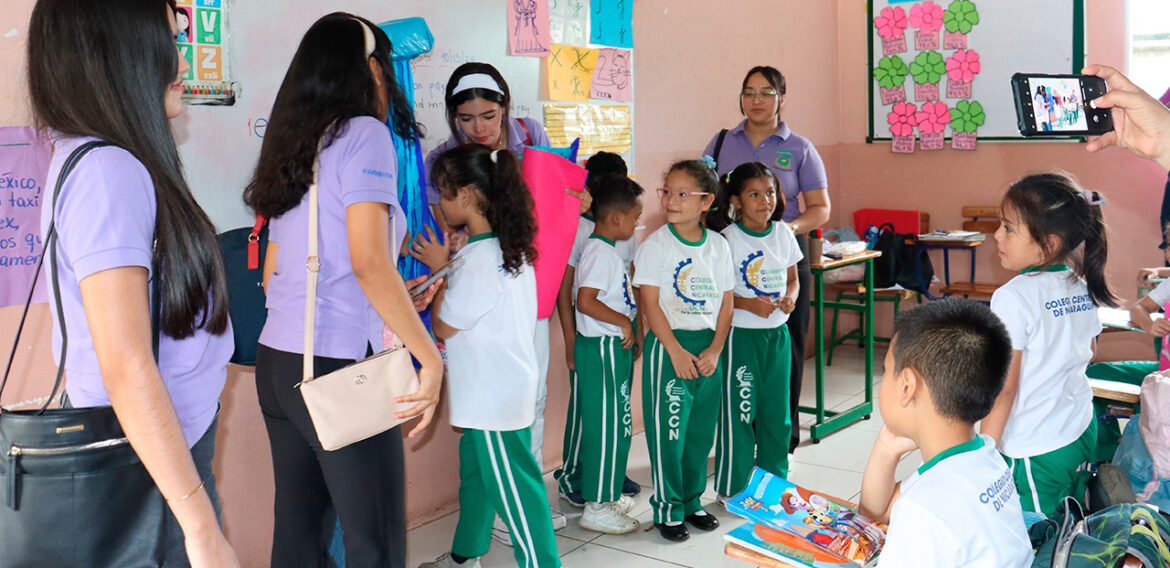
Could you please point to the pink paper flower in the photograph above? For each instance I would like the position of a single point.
(903, 118)
(927, 17)
(933, 117)
(891, 23)
(963, 65)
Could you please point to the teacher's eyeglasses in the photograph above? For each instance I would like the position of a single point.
(766, 93)
(668, 194)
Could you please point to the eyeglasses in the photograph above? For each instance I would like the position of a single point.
(668, 194)
(766, 93)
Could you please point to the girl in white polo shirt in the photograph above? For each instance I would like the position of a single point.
(1053, 234)
(685, 275)
(487, 315)
(754, 422)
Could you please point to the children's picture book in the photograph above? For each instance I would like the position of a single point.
(784, 546)
(830, 526)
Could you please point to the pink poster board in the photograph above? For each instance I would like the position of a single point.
(1164, 356)
(548, 176)
(24, 164)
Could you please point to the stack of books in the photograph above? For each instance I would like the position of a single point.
(952, 236)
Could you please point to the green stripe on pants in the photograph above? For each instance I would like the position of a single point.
(1044, 480)
(569, 476)
(680, 418)
(604, 371)
(754, 422)
(497, 474)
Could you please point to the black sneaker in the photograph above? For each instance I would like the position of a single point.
(630, 488)
(706, 522)
(676, 533)
(575, 499)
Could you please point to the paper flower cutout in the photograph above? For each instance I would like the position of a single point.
(891, 23)
(933, 117)
(960, 16)
(890, 72)
(963, 65)
(928, 67)
(927, 17)
(903, 119)
(967, 116)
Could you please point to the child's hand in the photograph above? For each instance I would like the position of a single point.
(638, 340)
(761, 306)
(708, 360)
(569, 344)
(423, 300)
(684, 364)
(893, 443)
(627, 334)
(1160, 328)
(429, 251)
(786, 304)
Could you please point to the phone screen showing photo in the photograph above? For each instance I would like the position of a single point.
(1058, 104)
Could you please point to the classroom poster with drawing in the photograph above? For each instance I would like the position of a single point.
(600, 127)
(568, 21)
(24, 165)
(528, 23)
(611, 76)
(202, 38)
(611, 22)
(570, 72)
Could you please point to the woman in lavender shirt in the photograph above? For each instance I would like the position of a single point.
(82, 89)
(339, 90)
(763, 136)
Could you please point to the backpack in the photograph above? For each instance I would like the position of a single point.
(1154, 423)
(900, 263)
(243, 253)
(1069, 539)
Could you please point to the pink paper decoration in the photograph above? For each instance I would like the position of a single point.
(927, 17)
(903, 118)
(891, 23)
(933, 117)
(556, 211)
(954, 40)
(963, 65)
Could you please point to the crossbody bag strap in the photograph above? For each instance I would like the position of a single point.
(719, 147)
(527, 133)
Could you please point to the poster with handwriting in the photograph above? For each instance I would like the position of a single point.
(570, 72)
(611, 76)
(568, 21)
(528, 28)
(611, 22)
(24, 164)
(600, 127)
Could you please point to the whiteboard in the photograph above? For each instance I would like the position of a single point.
(220, 145)
(1036, 36)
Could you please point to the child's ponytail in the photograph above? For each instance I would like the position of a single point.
(1052, 204)
(504, 197)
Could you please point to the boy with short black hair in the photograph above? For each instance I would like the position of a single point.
(944, 369)
(603, 355)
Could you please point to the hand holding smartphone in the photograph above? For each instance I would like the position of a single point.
(441, 272)
(1058, 105)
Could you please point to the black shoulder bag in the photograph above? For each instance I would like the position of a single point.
(76, 493)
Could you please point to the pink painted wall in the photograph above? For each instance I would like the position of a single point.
(688, 66)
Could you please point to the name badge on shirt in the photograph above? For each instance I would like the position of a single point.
(784, 159)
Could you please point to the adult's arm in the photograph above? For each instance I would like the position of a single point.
(117, 311)
(816, 211)
(1141, 124)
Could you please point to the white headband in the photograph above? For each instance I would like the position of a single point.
(369, 35)
(477, 81)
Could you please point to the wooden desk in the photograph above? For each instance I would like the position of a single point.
(971, 287)
(827, 420)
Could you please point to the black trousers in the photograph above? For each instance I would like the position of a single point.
(798, 329)
(362, 482)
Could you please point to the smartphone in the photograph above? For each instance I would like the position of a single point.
(1058, 105)
(441, 272)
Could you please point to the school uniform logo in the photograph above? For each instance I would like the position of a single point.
(784, 159)
(744, 382)
(693, 290)
(627, 417)
(628, 293)
(674, 394)
(759, 279)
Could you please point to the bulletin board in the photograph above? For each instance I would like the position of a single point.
(1037, 36)
(219, 145)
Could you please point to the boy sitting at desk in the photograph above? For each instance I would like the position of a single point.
(946, 365)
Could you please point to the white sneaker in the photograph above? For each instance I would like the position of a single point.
(623, 505)
(607, 518)
(558, 519)
(445, 561)
(500, 532)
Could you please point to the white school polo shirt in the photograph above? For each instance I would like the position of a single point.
(491, 362)
(691, 276)
(585, 225)
(1161, 294)
(1051, 318)
(602, 267)
(761, 262)
(959, 509)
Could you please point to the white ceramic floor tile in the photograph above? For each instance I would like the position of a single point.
(595, 556)
(846, 449)
(427, 542)
(702, 550)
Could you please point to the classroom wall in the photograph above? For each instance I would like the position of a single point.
(689, 62)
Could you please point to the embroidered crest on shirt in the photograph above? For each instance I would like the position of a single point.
(784, 159)
(682, 283)
(755, 277)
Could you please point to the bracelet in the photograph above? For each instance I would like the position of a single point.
(188, 495)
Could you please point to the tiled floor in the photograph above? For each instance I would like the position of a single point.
(834, 466)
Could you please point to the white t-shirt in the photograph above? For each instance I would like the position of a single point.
(1161, 294)
(691, 276)
(585, 225)
(601, 267)
(960, 509)
(761, 262)
(491, 362)
(1051, 318)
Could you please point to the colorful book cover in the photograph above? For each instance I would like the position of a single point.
(826, 522)
(784, 546)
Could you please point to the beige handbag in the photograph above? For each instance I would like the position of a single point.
(355, 402)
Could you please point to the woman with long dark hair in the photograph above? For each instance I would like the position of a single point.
(763, 136)
(331, 109)
(110, 71)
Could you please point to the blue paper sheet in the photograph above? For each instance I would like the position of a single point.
(611, 22)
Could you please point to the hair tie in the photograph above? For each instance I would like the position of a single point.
(709, 162)
(368, 37)
(495, 156)
(1093, 198)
